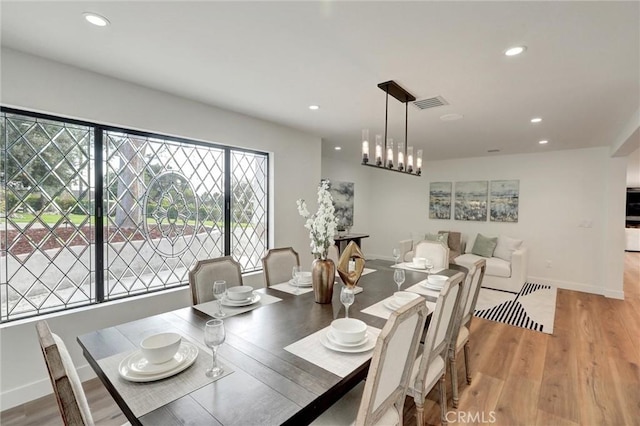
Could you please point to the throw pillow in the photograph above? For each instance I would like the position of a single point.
(505, 247)
(443, 238)
(484, 246)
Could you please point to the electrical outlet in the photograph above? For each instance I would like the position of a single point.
(549, 264)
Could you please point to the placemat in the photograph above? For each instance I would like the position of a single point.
(379, 310)
(290, 288)
(405, 265)
(339, 363)
(365, 271)
(142, 398)
(211, 307)
(429, 294)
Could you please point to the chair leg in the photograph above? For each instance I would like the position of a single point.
(443, 399)
(467, 367)
(419, 413)
(454, 379)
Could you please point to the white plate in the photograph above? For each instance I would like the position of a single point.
(190, 355)
(367, 346)
(139, 364)
(292, 283)
(411, 265)
(332, 339)
(253, 299)
(391, 304)
(430, 286)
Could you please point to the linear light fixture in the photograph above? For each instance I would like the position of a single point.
(384, 158)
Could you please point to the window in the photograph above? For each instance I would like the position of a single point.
(90, 213)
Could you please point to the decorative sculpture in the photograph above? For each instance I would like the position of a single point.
(351, 278)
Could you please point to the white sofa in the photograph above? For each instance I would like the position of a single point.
(501, 274)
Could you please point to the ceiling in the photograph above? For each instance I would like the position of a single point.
(580, 72)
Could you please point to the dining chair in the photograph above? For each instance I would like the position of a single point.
(67, 388)
(334, 254)
(379, 400)
(206, 271)
(278, 264)
(461, 330)
(435, 251)
(430, 367)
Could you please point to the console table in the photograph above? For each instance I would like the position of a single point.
(346, 239)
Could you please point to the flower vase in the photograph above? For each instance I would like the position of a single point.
(323, 274)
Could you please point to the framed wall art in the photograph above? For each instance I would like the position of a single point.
(440, 200)
(504, 197)
(471, 200)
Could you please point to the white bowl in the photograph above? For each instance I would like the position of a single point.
(403, 297)
(304, 277)
(420, 262)
(161, 347)
(348, 330)
(437, 280)
(240, 292)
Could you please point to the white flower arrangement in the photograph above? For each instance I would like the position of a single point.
(323, 224)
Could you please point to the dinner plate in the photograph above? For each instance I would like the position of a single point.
(332, 339)
(189, 350)
(391, 304)
(250, 301)
(430, 286)
(291, 282)
(412, 265)
(140, 365)
(367, 346)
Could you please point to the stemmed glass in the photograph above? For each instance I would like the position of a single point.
(398, 277)
(347, 298)
(213, 337)
(396, 254)
(219, 290)
(429, 267)
(295, 273)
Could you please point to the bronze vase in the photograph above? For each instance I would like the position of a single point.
(323, 274)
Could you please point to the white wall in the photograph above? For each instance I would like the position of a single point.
(633, 169)
(561, 192)
(37, 84)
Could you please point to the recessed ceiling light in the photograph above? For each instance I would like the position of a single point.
(543, 142)
(95, 19)
(536, 120)
(337, 148)
(451, 117)
(516, 50)
(314, 107)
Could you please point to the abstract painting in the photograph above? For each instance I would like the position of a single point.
(440, 200)
(504, 199)
(471, 200)
(342, 193)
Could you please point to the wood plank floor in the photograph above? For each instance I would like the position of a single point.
(586, 373)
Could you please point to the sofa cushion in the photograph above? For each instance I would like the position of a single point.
(495, 266)
(505, 247)
(484, 246)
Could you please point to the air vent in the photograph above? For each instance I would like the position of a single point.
(433, 102)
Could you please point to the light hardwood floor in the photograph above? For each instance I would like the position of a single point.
(586, 373)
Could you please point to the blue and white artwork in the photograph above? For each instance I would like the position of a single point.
(342, 193)
(471, 200)
(440, 200)
(504, 200)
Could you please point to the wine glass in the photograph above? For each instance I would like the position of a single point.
(396, 254)
(429, 267)
(295, 273)
(347, 298)
(219, 290)
(213, 337)
(398, 277)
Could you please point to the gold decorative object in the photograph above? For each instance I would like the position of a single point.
(351, 278)
(323, 274)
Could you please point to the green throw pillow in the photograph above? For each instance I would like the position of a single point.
(443, 238)
(484, 246)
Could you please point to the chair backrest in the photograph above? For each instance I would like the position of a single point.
(202, 276)
(470, 301)
(334, 254)
(391, 363)
(435, 251)
(67, 387)
(277, 265)
(441, 326)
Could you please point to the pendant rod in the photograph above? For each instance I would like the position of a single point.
(386, 119)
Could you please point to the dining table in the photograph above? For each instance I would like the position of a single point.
(268, 381)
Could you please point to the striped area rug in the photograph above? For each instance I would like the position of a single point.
(533, 307)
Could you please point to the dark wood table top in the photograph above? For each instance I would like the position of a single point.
(269, 385)
(349, 237)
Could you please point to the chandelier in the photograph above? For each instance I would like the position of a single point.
(403, 151)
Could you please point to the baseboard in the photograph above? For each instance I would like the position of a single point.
(585, 288)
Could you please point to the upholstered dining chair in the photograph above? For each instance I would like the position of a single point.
(435, 251)
(334, 254)
(202, 276)
(277, 265)
(461, 330)
(67, 388)
(379, 400)
(430, 368)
